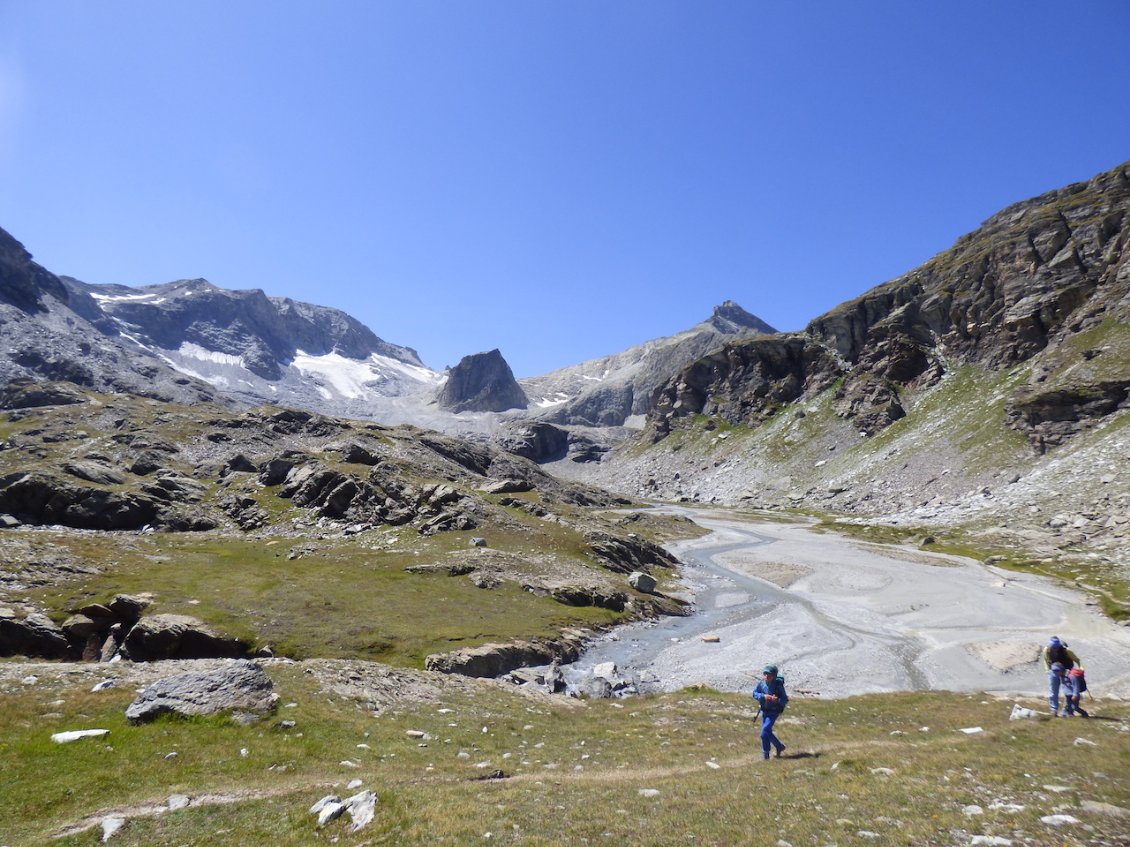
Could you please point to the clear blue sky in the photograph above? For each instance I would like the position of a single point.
(559, 179)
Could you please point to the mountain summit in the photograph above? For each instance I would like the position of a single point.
(611, 390)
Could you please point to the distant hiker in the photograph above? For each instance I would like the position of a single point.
(770, 695)
(1074, 684)
(1057, 652)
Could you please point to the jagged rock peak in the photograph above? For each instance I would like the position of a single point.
(481, 382)
(729, 316)
(23, 283)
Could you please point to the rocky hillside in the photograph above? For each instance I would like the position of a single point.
(189, 340)
(53, 333)
(608, 391)
(988, 386)
(97, 490)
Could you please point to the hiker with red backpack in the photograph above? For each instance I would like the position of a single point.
(771, 697)
(1058, 653)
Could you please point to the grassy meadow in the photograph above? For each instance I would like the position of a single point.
(473, 762)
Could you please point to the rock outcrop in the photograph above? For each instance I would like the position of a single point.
(241, 687)
(606, 392)
(481, 382)
(1039, 277)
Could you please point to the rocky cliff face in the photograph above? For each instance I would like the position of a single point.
(1034, 279)
(606, 392)
(481, 382)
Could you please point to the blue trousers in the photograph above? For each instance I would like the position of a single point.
(767, 736)
(1053, 690)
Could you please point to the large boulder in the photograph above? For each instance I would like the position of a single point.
(240, 686)
(160, 637)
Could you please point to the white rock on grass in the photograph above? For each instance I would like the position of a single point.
(76, 734)
(362, 808)
(1007, 808)
(971, 811)
(328, 808)
(178, 801)
(110, 827)
(991, 840)
(1084, 742)
(1059, 820)
(649, 792)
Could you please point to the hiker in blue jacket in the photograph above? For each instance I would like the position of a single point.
(770, 695)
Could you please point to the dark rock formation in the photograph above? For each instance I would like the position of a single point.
(481, 382)
(34, 636)
(160, 637)
(534, 440)
(1030, 280)
(492, 660)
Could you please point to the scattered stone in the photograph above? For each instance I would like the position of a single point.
(355, 783)
(972, 811)
(76, 734)
(1020, 712)
(1007, 808)
(971, 730)
(328, 808)
(608, 670)
(711, 639)
(361, 808)
(477, 541)
(882, 771)
(992, 840)
(1084, 742)
(1104, 809)
(241, 685)
(649, 792)
(178, 801)
(642, 582)
(104, 684)
(1059, 820)
(110, 827)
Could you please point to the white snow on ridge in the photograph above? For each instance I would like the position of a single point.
(112, 298)
(354, 378)
(195, 351)
(556, 400)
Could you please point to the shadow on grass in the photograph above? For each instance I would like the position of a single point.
(802, 754)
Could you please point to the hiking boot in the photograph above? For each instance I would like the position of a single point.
(780, 750)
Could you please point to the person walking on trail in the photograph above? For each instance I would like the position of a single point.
(771, 696)
(1057, 653)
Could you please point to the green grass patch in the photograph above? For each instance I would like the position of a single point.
(882, 770)
(332, 598)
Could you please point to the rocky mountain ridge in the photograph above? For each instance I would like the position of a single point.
(610, 390)
(986, 389)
